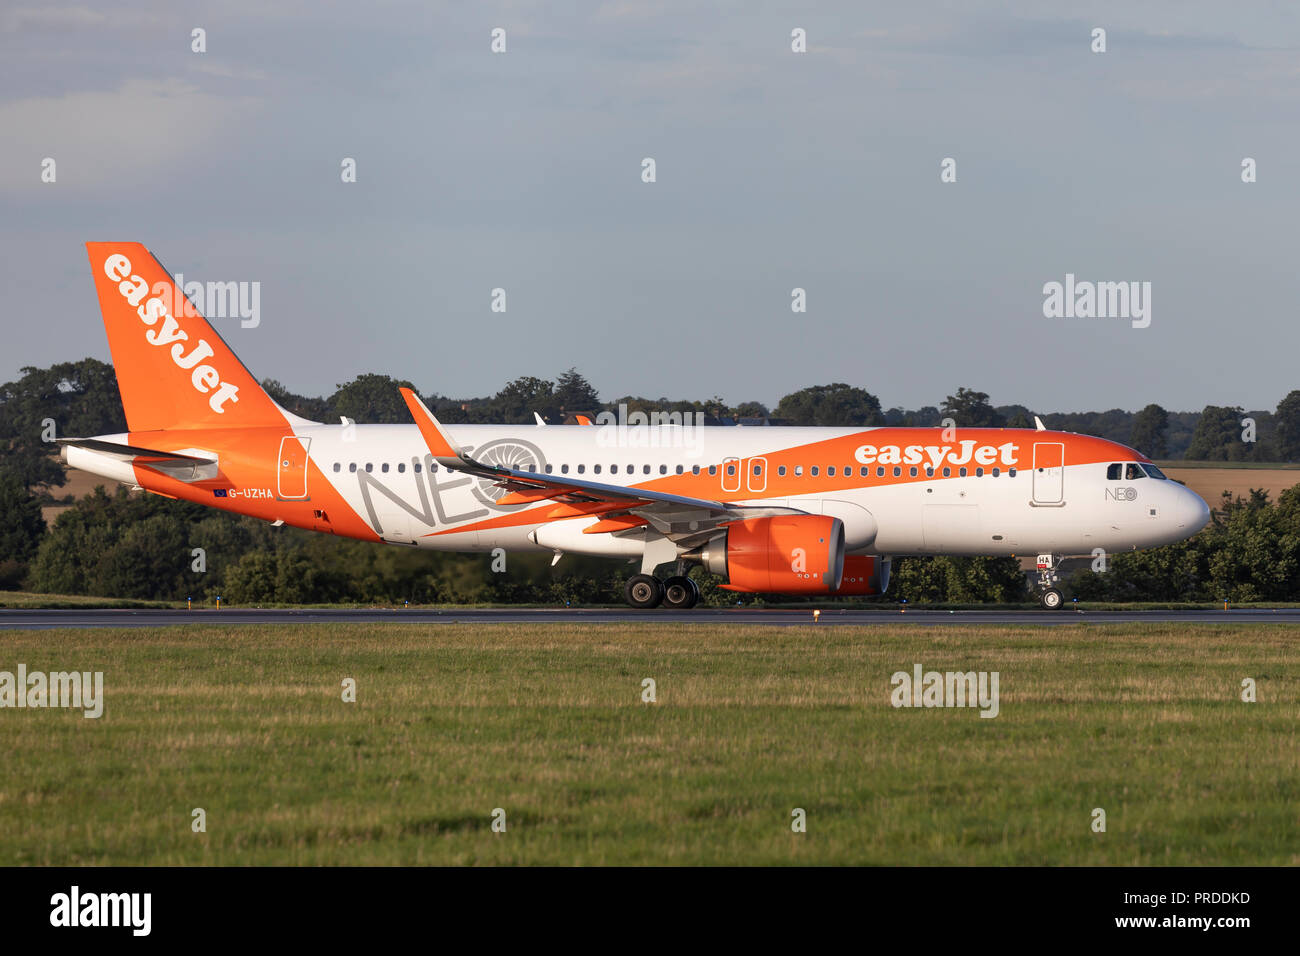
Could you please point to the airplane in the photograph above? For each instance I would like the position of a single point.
(770, 510)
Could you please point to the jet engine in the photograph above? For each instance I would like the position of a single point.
(783, 554)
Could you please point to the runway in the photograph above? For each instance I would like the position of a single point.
(11, 620)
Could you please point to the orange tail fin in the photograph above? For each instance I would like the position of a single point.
(173, 370)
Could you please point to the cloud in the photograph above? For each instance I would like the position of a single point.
(20, 19)
(100, 138)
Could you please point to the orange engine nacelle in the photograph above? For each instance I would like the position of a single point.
(785, 554)
(864, 574)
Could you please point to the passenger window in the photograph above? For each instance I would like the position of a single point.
(798, 470)
(962, 473)
(947, 472)
(663, 469)
(369, 467)
(865, 471)
(880, 472)
(418, 466)
(550, 469)
(1011, 473)
(813, 471)
(780, 470)
(401, 467)
(997, 472)
(564, 469)
(680, 469)
(897, 471)
(384, 468)
(596, 469)
(913, 471)
(929, 472)
(713, 469)
(337, 466)
(645, 469)
(731, 470)
(758, 469)
(979, 472)
(352, 466)
(581, 469)
(695, 469)
(830, 471)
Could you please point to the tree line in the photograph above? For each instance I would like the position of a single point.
(144, 546)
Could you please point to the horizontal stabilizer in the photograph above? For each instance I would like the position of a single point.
(145, 456)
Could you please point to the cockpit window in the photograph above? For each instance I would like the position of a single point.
(1133, 471)
(1154, 472)
(1114, 472)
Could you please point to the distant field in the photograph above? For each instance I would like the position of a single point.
(547, 723)
(78, 484)
(1211, 479)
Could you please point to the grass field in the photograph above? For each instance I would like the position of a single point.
(547, 723)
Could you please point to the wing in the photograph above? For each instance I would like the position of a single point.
(679, 517)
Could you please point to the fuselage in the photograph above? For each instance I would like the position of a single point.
(898, 491)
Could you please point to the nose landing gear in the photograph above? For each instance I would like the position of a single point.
(1049, 596)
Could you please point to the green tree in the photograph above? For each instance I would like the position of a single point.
(1287, 438)
(313, 409)
(573, 393)
(516, 403)
(21, 529)
(372, 400)
(1218, 435)
(835, 404)
(1149, 426)
(971, 409)
(80, 397)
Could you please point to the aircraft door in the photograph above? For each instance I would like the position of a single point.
(291, 470)
(1049, 473)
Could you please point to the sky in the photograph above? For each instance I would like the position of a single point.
(774, 170)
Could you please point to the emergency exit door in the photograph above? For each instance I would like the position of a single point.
(1049, 473)
(291, 473)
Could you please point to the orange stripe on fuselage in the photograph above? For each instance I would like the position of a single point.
(840, 452)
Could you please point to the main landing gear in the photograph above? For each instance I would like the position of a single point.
(1049, 596)
(645, 591)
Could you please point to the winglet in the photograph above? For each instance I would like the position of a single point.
(431, 431)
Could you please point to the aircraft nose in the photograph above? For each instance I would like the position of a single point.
(1191, 511)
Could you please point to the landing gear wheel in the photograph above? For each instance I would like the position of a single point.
(680, 593)
(1051, 599)
(643, 591)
